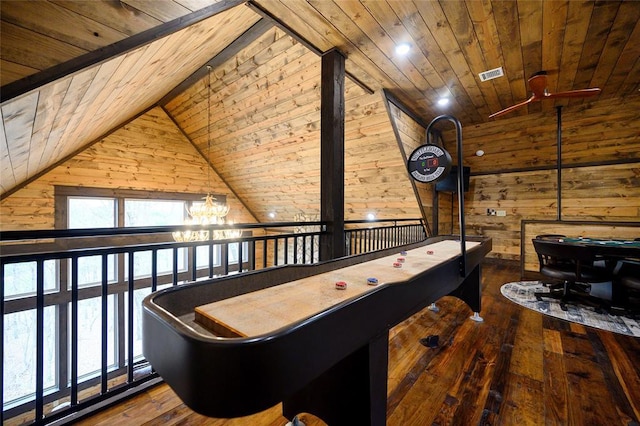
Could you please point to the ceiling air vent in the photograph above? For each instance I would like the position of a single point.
(491, 74)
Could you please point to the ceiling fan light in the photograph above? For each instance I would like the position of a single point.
(443, 102)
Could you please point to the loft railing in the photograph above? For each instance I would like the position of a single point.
(364, 236)
(71, 301)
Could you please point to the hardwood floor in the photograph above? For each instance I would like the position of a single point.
(517, 367)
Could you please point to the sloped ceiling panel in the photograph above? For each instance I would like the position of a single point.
(265, 125)
(38, 34)
(43, 127)
(148, 154)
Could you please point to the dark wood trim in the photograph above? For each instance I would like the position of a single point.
(73, 154)
(565, 166)
(287, 29)
(34, 81)
(248, 37)
(396, 132)
(84, 191)
(398, 103)
(332, 244)
(284, 27)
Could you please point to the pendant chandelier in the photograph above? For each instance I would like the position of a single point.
(211, 212)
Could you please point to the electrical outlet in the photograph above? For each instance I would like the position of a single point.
(501, 212)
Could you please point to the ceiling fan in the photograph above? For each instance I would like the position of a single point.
(538, 86)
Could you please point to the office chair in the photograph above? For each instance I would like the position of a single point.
(627, 278)
(572, 265)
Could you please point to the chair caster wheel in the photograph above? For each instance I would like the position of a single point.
(563, 306)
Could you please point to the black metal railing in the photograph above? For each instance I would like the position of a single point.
(365, 236)
(72, 274)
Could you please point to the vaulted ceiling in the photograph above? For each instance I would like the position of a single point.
(72, 72)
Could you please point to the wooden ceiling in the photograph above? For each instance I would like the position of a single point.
(74, 71)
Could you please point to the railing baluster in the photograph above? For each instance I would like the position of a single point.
(275, 251)
(210, 260)
(252, 247)
(174, 270)
(312, 253)
(74, 330)
(225, 257)
(39, 413)
(130, 311)
(154, 269)
(264, 252)
(2, 266)
(193, 260)
(105, 328)
(286, 250)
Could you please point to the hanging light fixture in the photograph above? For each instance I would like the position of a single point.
(211, 212)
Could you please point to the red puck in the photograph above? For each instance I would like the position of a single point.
(429, 251)
(341, 285)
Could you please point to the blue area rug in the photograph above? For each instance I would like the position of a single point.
(522, 293)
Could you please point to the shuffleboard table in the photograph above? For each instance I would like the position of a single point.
(237, 345)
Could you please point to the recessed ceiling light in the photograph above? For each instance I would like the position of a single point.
(479, 153)
(443, 101)
(403, 48)
(272, 215)
(371, 216)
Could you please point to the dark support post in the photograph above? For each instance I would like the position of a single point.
(332, 243)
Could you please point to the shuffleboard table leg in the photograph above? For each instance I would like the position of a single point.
(295, 422)
(476, 317)
(352, 392)
(470, 291)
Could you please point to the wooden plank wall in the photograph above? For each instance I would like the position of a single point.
(148, 154)
(58, 119)
(376, 178)
(600, 176)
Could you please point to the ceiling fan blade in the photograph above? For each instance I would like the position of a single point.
(512, 107)
(581, 93)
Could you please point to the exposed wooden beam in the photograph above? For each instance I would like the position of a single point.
(390, 97)
(248, 37)
(31, 82)
(284, 27)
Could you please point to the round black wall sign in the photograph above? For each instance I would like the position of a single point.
(429, 163)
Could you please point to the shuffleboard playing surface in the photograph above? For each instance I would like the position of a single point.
(266, 310)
